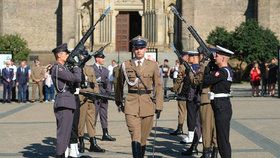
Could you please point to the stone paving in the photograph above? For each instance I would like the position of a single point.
(28, 130)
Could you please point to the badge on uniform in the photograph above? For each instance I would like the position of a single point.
(217, 74)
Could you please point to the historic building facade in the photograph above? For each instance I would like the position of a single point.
(45, 24)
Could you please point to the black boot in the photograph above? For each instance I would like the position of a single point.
(94, 147)
(136, 149)
(143, 149)
(192, 150)
(215, 152)
(207, 152)
(81, 145)
(106, 136)
(178, 131)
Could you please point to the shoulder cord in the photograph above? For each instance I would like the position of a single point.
(136, 81)
(56, 81)
(229, 78)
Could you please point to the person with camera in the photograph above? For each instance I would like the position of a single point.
(143, 79)
(255, 79)
(65, 103)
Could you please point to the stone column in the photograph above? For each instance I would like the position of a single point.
(188, 13)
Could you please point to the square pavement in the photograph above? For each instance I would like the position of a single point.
(29, 130)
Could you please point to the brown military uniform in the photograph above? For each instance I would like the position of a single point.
(87, 109)
(206, 112)
(37, 76)
(177, 87)
(139, 106)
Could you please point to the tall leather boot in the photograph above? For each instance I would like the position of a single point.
(178, 131)
(94, 147)
(136, 149)
(207, 153)
(143, 149)
(215, 152)
(193, 148)
(81, 145)
(106, 136)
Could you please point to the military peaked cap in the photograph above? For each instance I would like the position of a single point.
(223, 51)
(192, 53)
(61, 48)
(99, 54)
(139, 42)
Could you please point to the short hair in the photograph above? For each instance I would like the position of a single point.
(165, 60)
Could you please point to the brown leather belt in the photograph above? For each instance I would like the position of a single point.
(140, 92)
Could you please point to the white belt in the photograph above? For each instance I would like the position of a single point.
(212, 95)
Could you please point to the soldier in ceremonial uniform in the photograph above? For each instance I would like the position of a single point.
(179, 88)
(65, 103)
(220, 82)
(143, 79)
(101, 105)
(87, 111)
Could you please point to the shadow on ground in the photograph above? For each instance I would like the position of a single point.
(43, 150)
(165, 144)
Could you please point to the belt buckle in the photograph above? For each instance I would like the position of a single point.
(138, 92)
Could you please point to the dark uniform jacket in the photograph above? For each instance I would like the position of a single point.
(102, 78)
(63, 79)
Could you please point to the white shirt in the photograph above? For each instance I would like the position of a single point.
(111, 68)
(15, 71)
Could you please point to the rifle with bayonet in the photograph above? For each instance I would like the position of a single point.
(96, 96)
(79, 56)
(202, 46)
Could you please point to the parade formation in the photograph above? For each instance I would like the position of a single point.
(202, 91)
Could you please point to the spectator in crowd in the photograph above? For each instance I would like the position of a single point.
(7, 77)
(255, 78)
(14, 67)
(272, 77)
(22, 81)
(264, 74)
(174, 71)
(111, 68)
(37, 76)
(165, 71)
(49, 87)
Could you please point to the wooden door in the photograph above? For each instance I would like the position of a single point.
(122, 32)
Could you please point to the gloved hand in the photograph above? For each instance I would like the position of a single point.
(120, 106)
(157, 112)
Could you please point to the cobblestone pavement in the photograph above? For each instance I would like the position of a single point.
(28, 130)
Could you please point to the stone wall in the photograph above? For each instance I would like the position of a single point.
(36, 20)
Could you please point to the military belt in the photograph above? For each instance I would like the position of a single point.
(140, 92)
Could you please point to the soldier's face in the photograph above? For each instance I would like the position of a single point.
(139, 52)
(63, 56)
(100, 61)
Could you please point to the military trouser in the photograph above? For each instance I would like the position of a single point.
(222, 114)
(87, 118)
(34, 89)
(64, 122)
(74, 132)
(139, 127)
(182, 111)
(208, 126)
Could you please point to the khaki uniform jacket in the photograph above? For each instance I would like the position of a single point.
(38, 73)
(135, 104)
(91, 80)
(177, 87)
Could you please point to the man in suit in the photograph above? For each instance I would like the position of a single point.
(101, 105)
(22, 77)
(7, 77)
(65, 103)
(143, 79)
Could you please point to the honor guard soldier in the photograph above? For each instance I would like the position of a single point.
(87, 111)
(220, 82)
(101, 105)
(65, 103)
(179, 88)
(143, 79)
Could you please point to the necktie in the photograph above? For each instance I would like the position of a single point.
(139, 63)
(22, 70)
(100, 68)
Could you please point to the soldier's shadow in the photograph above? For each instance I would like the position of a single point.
(43, 150)
(165, 144)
